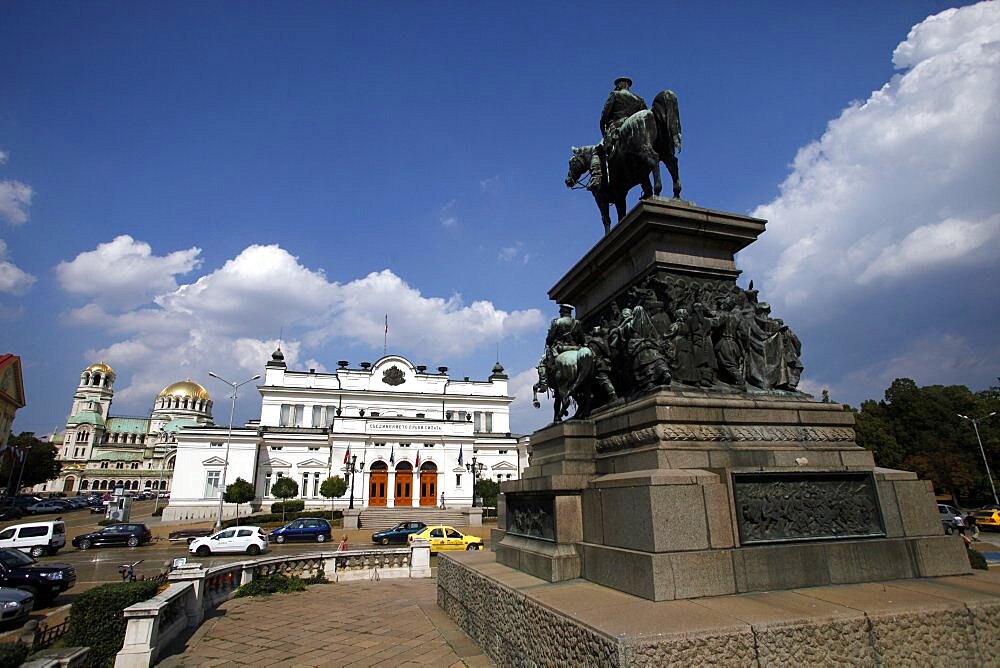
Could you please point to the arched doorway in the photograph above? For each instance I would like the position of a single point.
(428, 484)
(404, 485)
(68, 485)
(378, 483)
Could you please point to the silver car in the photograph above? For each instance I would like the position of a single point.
(15, 605)
(951, 518)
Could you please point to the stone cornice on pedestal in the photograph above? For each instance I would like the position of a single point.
(657, 234)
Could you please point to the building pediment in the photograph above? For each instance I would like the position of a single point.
(214, 461)
(279, 464)
(312, 464)
(503, 466)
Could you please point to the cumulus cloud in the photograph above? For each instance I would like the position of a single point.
(229, 319)
(15, 198)
(902, 183)
(124, 273)
(523, 414)
(3, 157)
(885, 236)
(13, 280)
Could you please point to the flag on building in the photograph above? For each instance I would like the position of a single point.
(392, 455)
(416, 464)
(347, 455)
(460, 455)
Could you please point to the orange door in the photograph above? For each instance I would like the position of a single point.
(378, 481)
(404, 489)
(428, 488)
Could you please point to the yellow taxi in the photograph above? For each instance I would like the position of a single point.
(447, 538)
(988, 518)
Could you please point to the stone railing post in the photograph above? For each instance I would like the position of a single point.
(141, 631)
(247, 576)
(473, 516)
(195, 574)
(420, 558)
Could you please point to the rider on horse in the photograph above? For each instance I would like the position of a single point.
(565, 333)
(621, 104)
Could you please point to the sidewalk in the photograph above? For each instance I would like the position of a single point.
(384, 623)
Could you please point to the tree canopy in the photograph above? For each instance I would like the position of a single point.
(334, 487)
(240, 491)
(285, 488)
(919, 429)
(40, 466)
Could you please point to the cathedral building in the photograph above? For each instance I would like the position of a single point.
(100, 451)
(411, 435)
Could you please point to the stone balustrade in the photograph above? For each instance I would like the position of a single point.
(194, 590)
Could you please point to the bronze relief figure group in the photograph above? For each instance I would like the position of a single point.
(668, 331)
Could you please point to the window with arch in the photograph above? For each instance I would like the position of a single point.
(135, 465)
(120, 465)
(104, 465)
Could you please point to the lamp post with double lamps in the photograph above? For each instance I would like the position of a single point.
(352, 469)
(476, 469)
(229, 438)
(975, 425)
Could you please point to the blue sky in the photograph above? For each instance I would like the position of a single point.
(181, 184)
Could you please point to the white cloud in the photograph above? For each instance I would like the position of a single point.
(447, 216)
(228, 321)
(124, 272)
(492, 185)
(523, 414)
(15, 198)
(3, 157)
(514, 254)
(13, 280)
(901, 184)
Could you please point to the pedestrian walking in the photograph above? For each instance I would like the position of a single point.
(343, 544)
(442, 501)
(970, 524)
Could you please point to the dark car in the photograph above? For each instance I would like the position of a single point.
(15, 605)
(43, 581)
(132, 535)
(188, 535)
(398, 534)
(304, 528)
(10, 513)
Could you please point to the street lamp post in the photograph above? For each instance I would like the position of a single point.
(352, 470)
(229, 438)
(476, 470)
(975, 425)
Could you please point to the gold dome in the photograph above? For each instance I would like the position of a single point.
(185, 388)
(100, 366)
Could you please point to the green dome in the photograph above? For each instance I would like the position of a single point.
(87, 417)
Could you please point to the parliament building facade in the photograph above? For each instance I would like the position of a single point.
(410, 434)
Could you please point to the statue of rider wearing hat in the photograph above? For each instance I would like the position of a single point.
(621, 104)
(565, 333)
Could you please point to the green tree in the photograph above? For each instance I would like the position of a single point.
(240, 491)
(285, 488)
(40, 464)
(488, 490)
(333, 488)
(919, 429)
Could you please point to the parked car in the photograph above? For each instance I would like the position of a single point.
(43, 581)
(97, 507)
(10, 513)
(987, 519)
(132, 535)
(15, 605)
(188, 535)
(45, 507)
(447, 538)
(146, 495)
(252, 540)
(398, 534)
(303, 528)
(951, 518)
(164, 495)
(35, 538)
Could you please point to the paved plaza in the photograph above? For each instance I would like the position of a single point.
(384, 623)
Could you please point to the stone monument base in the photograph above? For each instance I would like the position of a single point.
(690, 493)
(522, 620)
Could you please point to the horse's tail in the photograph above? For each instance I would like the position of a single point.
(668, 117)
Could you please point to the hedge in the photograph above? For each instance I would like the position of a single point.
(13, 654)
(96, 620)
(268, 518)
(293, 506)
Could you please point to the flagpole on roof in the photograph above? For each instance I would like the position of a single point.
(385, 337)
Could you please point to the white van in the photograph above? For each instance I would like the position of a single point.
(35, 538)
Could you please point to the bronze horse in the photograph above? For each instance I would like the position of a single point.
(568, 378)
(647, 138)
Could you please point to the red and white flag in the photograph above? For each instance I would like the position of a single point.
(347, 455)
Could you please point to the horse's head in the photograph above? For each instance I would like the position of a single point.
(579, 164)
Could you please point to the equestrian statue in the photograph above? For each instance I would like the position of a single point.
(635, 141)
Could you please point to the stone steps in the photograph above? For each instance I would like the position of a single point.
(384, 518)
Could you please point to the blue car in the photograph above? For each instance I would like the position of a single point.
(304, 528)
(398, 534)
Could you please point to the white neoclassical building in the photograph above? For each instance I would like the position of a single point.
(100, 451)
(411, 433)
